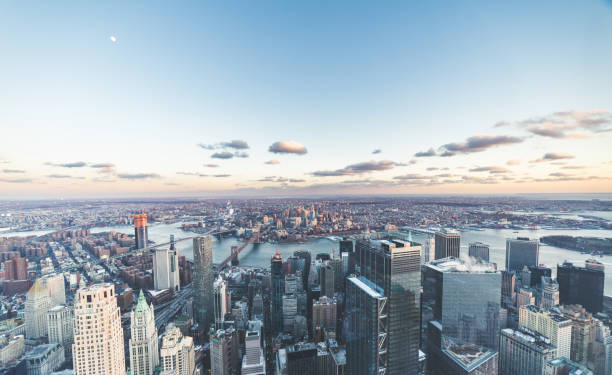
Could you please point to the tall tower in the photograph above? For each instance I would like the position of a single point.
(448, 243)
(38, 302)
(277, 293)
(59, 325)
(177, 353)
(223, 352)
(144, 356)
(220, 302)
(578, 285)
(203, 281)
(56, 286)
(141, 232)
(166, 268)
(521, 252)
(98, 336)
(394, 269)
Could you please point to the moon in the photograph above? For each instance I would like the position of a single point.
(113, 39)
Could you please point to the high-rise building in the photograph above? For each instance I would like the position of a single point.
(144, 355)
(428, 251)
(224, 352)
(302, 359)
(276, 308)
(59, 327)
(365, 318)
(166, 268)
(327, 281)
(448, 243)
(44, 359)
(56, 286)
(16, 269)
(324, 314)
(289, 312)
(141, 232)
(38, 302)
(177, 356)
(557, 328)
(98, 336)
(253, 361)
(537, 272)
(550, 293)
(395, 268)
(565, 366)
(583, 286)
(220, 302)
(523, 353)
(465, 299)
(521, 252)
(584, 331)
(479, 251)
(203, 280)
(304, 254)
(525, 297)
(508, 288)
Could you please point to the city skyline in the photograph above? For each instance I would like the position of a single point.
(275, 99)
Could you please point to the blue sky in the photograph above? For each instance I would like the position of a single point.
(341, 78)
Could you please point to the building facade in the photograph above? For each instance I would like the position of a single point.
(276, 285)
(44, 359)
(523, 353)
(448, 243)
(203, 280)
(554, 326)
(166, 268)
(60, 327)
(141, 231)
(521, 252)
(38, 302)
(176, 354)
(581, 285)
(144, 354)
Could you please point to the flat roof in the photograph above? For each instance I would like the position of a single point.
(363, 284)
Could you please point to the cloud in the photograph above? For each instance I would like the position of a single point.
(424, 154)
(64, 176)
(13, 171)
(478, 143)
(4, 161)
(432, 168)
(241, 154)
(192, 174)
(513, 162)
(287, 147)
(272, 162)
(102, 165)
(574, 167)
(377, 151)
(566, 124)
(550, 156)
(412, 161)
(137, 176)
(236, 144)
(113, 38)
(359, 168)
(297, 180)
(559, 174)
(171, 184)
(222, 155)
(222, 175)
(76, 164)
(492, 169)
(17, 180)
(211, 165)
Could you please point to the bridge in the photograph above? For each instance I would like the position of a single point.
(233, 257)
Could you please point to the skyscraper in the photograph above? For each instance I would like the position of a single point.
(523, 353)
(428, 252)
(276, 309)
(327, 279)
(220, 302)
(554, 326)
(38, 302)
(583, 286)
(203, 280)
(521, 252)
(141, 232)
(98, 336)
(59, 327)
(253, 361)
(324, 313)
(479, 250)
(144, 355)
(448, 243)
(166, 268)
(177, 354)
(56, 286)
(395, 267)
(224, 352)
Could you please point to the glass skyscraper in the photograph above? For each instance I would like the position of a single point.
(581, 285)
(276, 309)
(521, 252)
(203, 280)
(448, 243)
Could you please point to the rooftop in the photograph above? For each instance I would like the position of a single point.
(452, 264)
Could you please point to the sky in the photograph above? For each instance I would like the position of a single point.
(281, 98)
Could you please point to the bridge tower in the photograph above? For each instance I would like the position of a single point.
(235, 255)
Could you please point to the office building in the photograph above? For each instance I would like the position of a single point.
(141, 232)
(98, 337)
(523, 353)
(584, 331)
(302, 359)
(365, 318)
(224, 352)
(253, 361)
(508, 288)
(276, 281)
(394, 267)
(479, 251)
(176, 355)
(44, 359)
(465, 299)
(521, 252)
(565, 366)
(60, 327)
(537, 272)
(327, 281)
(582, 286)
(203, 280)
(448, 243)
(11, 348)
(428, 250)
(305, 255)
(56, 286)
(289, 312)
(219, 302)
(524, 297)
(38, 302)
(550, 293)
(324, 314)
(555, 327)
(144, 354)
(166, 268)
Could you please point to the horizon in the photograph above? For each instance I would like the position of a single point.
(252, 100)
